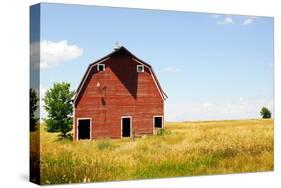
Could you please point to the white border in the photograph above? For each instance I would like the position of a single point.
(77, 130)
(14, 172)
(131, 126)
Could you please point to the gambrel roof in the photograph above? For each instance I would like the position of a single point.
(117, 50)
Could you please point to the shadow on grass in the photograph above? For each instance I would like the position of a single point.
(67, 137)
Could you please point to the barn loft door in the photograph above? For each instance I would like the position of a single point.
(84, 129)
(126, 126)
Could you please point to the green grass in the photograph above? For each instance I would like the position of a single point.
(182, 149)
(104, 144)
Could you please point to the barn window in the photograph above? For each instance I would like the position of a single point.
(158, 121)
(140, 68)
(101, 67)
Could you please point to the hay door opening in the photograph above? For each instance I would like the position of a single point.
(84, 129)
(126, 125)
(158, 122)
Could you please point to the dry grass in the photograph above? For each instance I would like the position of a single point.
(184, 149)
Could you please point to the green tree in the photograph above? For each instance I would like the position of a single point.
(33, 106)
(265, 113)
(59, 108)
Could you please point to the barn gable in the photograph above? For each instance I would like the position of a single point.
(120, 52)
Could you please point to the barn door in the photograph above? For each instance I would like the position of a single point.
(84, 129)
(126, 125)
(158, 122)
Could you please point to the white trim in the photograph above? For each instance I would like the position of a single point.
(152, 74)
(87, 74)
(73, 121)
(157, 85)
(98, 67)
(154, 122)
(131, 125)
(77, 125)
(141, 63)
(142, 66)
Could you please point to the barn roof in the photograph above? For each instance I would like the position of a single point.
(117, 50)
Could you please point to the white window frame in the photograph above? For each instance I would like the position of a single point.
(131, 125)
(98, 67)
(77, 127)
(154, 128)
(140, 66)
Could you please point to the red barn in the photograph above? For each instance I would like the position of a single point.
(119, 96)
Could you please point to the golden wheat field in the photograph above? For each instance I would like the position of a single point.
(182, 149)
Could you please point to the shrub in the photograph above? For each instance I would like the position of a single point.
(265, 113)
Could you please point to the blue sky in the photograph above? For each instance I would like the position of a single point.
(211, 66)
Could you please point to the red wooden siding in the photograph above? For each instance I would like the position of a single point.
(122, 92)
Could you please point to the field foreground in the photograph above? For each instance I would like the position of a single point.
(183, 149)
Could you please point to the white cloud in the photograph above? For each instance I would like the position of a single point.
(172, 69)
(215, 16)
(247, 21)
(35, 55)
(226, 20)
(53, 53)
(42, 91)
(239, 109)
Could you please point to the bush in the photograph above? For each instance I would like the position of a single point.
(265, 113)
